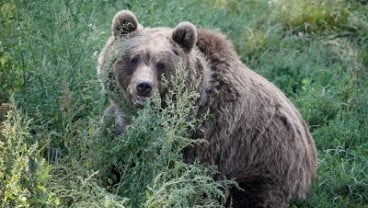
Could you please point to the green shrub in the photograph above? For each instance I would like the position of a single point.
(11, 69)
(24, 173)
(53, 152)
(311, 16)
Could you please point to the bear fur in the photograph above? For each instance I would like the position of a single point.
(254, 133)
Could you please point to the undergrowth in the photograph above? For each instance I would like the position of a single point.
(54, 154)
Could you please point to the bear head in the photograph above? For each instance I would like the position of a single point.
(146, 56)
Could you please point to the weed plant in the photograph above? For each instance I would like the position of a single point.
(54, 154)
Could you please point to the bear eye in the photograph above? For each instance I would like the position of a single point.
(160, 66)
(134, 60)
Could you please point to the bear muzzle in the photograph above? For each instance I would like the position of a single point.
(143, 90)
(139, 101)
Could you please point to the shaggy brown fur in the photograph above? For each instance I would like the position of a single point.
(255, 134)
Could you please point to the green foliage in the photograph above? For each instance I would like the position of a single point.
(11, 72)
(24, 174)
(311, 16)
(53, 154)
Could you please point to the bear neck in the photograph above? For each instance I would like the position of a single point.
(200, 70)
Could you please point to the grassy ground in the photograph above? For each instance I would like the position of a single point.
(51, 150)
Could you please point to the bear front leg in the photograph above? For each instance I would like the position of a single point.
(113, 119)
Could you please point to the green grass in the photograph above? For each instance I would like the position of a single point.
(53, 154)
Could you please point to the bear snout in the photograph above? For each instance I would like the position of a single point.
(144, 88)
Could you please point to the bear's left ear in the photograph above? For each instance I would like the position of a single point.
(124, 22)
(185, 34)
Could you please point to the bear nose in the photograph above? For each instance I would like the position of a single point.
(144, 88)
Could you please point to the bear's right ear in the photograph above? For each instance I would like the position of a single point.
(124, 22)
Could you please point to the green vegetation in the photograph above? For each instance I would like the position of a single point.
(52, 150)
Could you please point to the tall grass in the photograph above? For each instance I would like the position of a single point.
(53, 154)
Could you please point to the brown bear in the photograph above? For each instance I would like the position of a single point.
(254, 133)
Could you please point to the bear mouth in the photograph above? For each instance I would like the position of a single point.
(139, 101)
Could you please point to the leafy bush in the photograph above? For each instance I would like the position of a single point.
(311, 16)
(24, 174)
(54, 154)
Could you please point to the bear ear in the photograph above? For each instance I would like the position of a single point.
(124, 22)
(185, 34)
